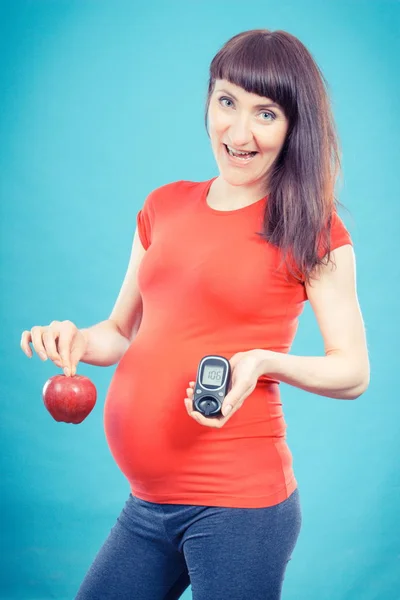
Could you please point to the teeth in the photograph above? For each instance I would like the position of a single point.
(233, 151)
(242, 155)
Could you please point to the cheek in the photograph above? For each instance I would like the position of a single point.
(217, 122)
(275, 139)
(281, 134)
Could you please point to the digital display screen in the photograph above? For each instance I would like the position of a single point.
(212, 375)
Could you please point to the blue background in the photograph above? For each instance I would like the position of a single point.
(100, 103)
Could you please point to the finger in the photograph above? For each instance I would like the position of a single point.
(189, 408)
(79, 347)
(207, 421)
(188, 405)
(37, 342)
(226, 409)
(25, 341)
(75, 357)
(55, 356)
(230, 403)
(67, 333)
(49, 341)
(236, 396)
(236, 393)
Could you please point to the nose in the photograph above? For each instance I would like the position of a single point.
(240, 133)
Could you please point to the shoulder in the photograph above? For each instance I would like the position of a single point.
(333, 235)
(168, 194)
(182, 185)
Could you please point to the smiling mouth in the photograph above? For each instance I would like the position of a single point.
(243, 156)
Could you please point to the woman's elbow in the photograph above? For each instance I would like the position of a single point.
(361, 388)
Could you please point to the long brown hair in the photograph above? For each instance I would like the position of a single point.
(301, 182)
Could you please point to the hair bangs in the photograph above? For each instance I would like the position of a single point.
(258, 68)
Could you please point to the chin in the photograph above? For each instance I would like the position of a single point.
(239, 178)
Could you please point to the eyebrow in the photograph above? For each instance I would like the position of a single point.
(266, 105)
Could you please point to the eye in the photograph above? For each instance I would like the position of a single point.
(226, 99)
(269, 114)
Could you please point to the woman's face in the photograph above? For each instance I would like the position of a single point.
(248, 123)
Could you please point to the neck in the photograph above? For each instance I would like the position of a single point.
(229, 196)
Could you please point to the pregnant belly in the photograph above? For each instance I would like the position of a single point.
(151, 436)
(146, 424)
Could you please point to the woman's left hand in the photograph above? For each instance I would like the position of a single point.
(245, 371)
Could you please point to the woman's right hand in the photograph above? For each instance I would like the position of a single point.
(61, 341)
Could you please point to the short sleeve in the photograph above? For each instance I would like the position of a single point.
(145, 221)
(143, 225)
(339, 235)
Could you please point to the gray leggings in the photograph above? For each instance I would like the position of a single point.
(155, 551)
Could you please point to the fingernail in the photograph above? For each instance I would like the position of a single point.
(227, 409)
(42, 355)
(66, 371)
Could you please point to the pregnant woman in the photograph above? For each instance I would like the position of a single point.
(224, 267)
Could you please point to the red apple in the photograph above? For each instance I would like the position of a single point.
(69, 399)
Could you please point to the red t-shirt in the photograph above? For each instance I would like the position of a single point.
(209, 286)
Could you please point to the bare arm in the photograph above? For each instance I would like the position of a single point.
(105, 344)
(344, 371)
(107, 341)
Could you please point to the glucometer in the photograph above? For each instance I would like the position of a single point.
(212, 385)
